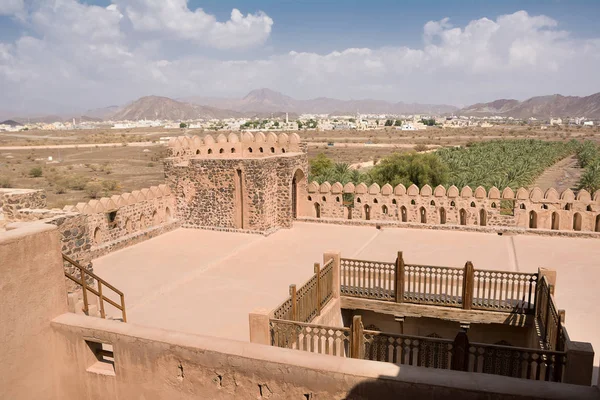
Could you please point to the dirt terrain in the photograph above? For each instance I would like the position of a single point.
(563, 175)
(115, 161)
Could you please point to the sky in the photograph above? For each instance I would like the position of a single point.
(61, 56)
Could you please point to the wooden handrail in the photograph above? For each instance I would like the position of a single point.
(101, 282)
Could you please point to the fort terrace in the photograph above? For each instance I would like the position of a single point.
(239, 278)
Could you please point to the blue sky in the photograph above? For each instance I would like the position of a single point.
(456, 52)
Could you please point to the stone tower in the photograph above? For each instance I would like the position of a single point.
(254, 183)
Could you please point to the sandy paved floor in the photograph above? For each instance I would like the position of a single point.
(207, 282)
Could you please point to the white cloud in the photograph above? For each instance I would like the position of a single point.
(90, 56)
(12, 7)
(173, 17)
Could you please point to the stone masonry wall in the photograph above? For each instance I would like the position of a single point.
(525, 209)
(208, 192)
(13, 200)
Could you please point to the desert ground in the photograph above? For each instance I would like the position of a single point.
(92, 163)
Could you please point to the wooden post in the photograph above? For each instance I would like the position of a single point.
(318, 297)
(357, 345)
(399, 278)
(84, 289)
(336, 275)
(123, 308)
(102, 313)
(468, 282)
(460, 352)
(294, 302)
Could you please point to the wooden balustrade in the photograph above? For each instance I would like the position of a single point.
(465, 288)
(504, 291)
(85, 287)
(309, 337)
(548, 317)
(306, 303)
(516, 362)
(368, 279)
(431, 352)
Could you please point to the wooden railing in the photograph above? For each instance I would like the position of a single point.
(465, 288)
(504, 291)
(306, 303)
(430, 352)
(548, 318)
(517, 362)
(101, 283)
(368, 279)
(309, 337)
(438, 286)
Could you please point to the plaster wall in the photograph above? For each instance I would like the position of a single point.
(158, 364)
(33, 292)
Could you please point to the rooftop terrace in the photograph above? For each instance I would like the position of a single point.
(206, 282)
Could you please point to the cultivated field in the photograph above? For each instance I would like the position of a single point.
(85, 166)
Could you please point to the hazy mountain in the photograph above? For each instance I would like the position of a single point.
(267, 100)
(10, 122)
(156, 107)
(102, 113)
(539, 107)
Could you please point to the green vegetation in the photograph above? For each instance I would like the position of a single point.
(35, 172)
(398, 123)
(389, 122)
(428, 122)
(588, 154)
(410, 168)
(502, 163)
(182, 125)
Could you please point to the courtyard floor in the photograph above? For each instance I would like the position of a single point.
(206, 282)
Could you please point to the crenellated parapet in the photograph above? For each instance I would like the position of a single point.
(525, 208)
(118, 216)
(248, 145)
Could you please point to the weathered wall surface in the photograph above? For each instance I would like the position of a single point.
(13, 200)
(241, 190)
(532, 210)
(157, 364)
(33, 293)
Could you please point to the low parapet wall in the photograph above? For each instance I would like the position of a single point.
(14, 200)
(120, 216)
(525, 209)
(248, 145)
(188, 366)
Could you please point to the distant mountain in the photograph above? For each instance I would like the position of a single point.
(539, 107)
(156, 107)
(10, 122)
(101, 113)
(267, 100)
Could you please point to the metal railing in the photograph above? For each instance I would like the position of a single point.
(101, 283)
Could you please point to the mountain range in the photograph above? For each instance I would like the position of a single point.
(264, 103)
(267, 100)
(539, 107)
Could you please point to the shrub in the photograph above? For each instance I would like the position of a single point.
(420, 147)
(77, 182)
(5, 182)
(94, 190)
(110, 185)
(35, 172)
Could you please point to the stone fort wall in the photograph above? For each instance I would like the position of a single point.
(245, 184)
(528, 209)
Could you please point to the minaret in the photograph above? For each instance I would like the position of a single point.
(286, 118)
